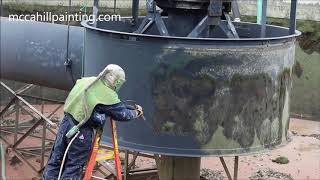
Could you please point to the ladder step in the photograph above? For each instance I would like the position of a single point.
(104, 155)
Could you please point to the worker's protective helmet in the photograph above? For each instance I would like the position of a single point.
(114, 76)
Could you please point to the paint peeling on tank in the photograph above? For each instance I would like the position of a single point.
(285, 117)
(44, 51)
(265, 132)
(165, 52)
(200, 126)
(219, 140)
(274, 131)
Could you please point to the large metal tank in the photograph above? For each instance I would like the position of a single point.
(201, 96)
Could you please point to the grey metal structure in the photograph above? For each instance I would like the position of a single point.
(214, 96)
(246, 81)
(35, 53)
(209, 86)
(39, 127)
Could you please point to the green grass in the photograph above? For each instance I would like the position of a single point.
(309, 41)
(305, 96)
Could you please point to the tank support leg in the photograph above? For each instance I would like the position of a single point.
(178, 168)
(235, 168)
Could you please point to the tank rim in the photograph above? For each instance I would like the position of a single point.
(297, 33)
(232, 153)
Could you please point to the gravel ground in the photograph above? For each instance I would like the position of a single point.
(269, 174)
(317, 136)
(208, 174)
(303, 152)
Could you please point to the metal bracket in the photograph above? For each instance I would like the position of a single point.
(228, 28)
(199, 28)
(24, 129)
(235, 169)
(214, 15)
(95, 11)
(161, 26)
(68, 63)
(293, 19)
(135, 11)
(152, 16)
(214, 12)
(147, 21)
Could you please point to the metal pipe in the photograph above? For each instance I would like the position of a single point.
(32, 154)
(235, 10)
(293, 14)
(42, 55)
(259, 11)
(16, 122)
(114, 6)
(44, 134)
(263, 18)
(1, 10)
(3, 163)
(22, 133)
(135, 10)
(41, 98)
(27, 133)
(7, 106)
(225, 168)
(235, 168)
(95, 12)
(126, 163)
(27, 104)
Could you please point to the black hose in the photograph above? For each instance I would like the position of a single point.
(68, 62)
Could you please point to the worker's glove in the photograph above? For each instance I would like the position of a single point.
(139, 110)
(98, 119)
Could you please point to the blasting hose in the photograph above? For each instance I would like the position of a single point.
(68, 61)
(65, 154)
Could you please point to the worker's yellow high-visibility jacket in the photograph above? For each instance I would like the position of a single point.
(98, 93)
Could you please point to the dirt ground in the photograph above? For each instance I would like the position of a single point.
(303, 153)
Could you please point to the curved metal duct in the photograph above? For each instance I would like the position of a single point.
(34, 52)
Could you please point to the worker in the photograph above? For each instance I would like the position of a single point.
(96, 98)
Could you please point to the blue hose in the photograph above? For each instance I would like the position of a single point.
(3, 163)
(259, 11)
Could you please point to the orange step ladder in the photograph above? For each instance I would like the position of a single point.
(95, 149)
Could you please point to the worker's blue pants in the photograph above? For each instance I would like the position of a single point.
(77, 156)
